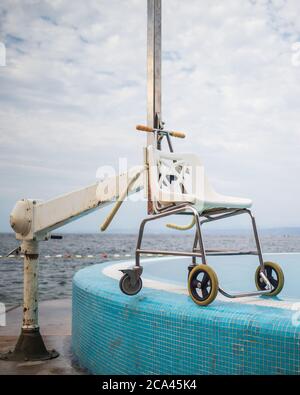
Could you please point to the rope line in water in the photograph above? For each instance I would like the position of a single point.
(110, 256)
(78, 256)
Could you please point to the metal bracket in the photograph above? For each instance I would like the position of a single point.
(134, 273)
(16, 251)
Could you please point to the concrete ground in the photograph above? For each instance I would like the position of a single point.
(55, 326)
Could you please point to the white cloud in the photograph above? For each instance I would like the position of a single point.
(75, 86)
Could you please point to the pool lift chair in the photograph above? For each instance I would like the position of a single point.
(177, 184)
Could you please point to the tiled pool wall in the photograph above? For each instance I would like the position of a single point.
(157, 332)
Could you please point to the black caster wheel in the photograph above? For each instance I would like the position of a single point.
(127, 287)
(203, 285)
(274, 274)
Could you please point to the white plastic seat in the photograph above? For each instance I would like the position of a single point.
(178, 178)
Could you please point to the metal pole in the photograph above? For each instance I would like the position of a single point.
(30, 345)
(153, 65)
(153, 73)
(31, 263)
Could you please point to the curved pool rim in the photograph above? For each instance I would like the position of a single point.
(161, 331)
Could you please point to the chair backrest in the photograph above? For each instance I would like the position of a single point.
(174, 178)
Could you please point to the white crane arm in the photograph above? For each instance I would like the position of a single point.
(33, 219)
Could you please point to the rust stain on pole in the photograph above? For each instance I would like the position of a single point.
(30, 311)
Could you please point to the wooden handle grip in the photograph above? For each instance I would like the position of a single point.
(144, 128)
(179, 135)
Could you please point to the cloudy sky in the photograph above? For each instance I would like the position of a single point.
(74, 86)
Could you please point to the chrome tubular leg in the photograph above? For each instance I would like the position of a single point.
(195, 247)
(194, 262)
(259, 250)
(137, 259)
(257, 241)
(139, 243)
(199, 236)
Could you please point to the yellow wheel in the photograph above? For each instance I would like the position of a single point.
(203, 285)
(274, 274)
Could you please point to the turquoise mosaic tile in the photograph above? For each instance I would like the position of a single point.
(158, 332)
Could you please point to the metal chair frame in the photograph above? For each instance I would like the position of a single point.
(198, 250)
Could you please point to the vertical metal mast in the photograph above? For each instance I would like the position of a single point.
(153, 74)
(153, 66)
